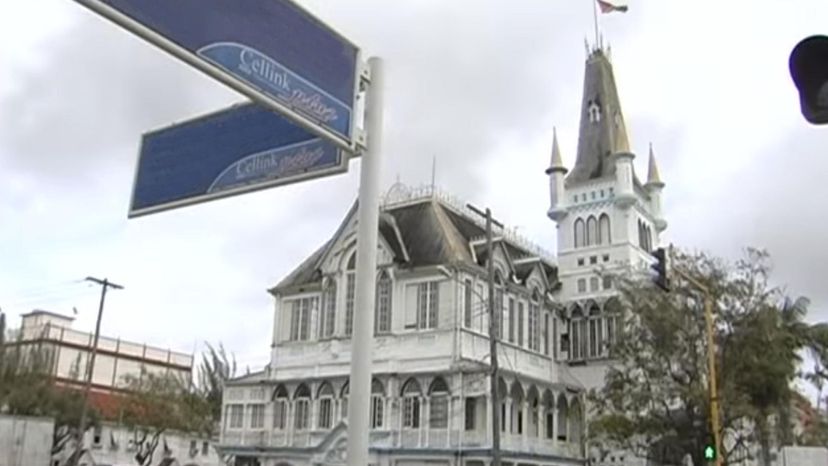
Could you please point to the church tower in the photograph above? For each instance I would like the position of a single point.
(606, 218)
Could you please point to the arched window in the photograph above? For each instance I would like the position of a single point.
(641, 240)
(534, 319)
(575, 330)
(350, 294)
(534, 406)
(604, 232)
(343, 401)
(580, 233)
(592, 232)
(649, 239)
(327, 322)
(377, 404)
(301, 401)
(575, 422)
(499, 305)
(411, 395)
(595, 331)
(382, 319)
(563, 418)
(549, 406)
(325, 397)
(280, 408)
(503, 391)
(516, 421)
(438, 394)
(612, 316)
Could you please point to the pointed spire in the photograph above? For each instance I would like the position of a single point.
(653, 177)
(602, 130)
(556, 164)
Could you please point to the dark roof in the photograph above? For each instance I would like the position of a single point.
(420, 233)
(598, 141)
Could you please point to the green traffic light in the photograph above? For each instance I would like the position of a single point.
(709, 452)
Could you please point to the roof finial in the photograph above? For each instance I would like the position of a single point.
(653, 177)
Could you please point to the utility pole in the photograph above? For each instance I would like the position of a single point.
(362, 337)
(711, 357)
(90, 365)
(494, 319)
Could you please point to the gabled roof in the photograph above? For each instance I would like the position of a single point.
(423, 232)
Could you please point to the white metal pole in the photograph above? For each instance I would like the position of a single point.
(362, 337)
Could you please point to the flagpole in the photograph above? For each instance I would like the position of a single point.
(595, 18)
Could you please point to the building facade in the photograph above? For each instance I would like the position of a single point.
(430, 394)
(70, 352)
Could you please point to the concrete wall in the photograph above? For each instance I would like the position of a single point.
(25, 441)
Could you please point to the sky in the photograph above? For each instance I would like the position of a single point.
(473, 91)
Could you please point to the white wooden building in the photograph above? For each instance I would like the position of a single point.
(431, 395)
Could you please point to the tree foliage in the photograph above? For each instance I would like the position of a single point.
(655, 401)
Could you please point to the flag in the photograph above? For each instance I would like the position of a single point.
(607, 7)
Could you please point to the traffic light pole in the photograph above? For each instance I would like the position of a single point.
(711, 360)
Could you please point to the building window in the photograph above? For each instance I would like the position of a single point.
(582, 285)
(534, 321)
(280, 407)
(328, 315)
(438, 404)
(97, 436)
(580, 233)
(301, 310)
(592, 232)
(467, 303)
(428, 299)
(606, 257)
(593, 284)
(499, 307)
(607, 282)
(382, 320)
(593, 260)
(236, 416)
(257, 416)
(302, 408)
(593, 195)
(520, 323)
(481, 305)
(511, 319)
(377, 404)
(350, 296)
(576, 335)
(604, 233)
(205, 448)
(581, 262)
(602, 193)
(411, 404)
(546, 334)
(325, 417)
(471, 413)
(343, 400)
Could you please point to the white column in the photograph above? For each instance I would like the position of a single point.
(362, 338)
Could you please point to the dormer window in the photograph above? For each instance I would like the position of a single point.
(594, 111)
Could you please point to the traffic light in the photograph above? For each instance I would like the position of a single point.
(662, 269)
(809, 70)
(710, 452)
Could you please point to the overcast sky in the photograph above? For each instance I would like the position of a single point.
(476, 84)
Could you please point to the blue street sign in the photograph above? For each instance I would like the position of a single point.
(273, 51)
(238, 150)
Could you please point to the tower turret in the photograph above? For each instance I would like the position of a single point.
(557, 173)
(654, 187)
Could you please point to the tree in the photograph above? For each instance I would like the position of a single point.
(27, 389)
(215, 370)
(655, 400)
(157, 403)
